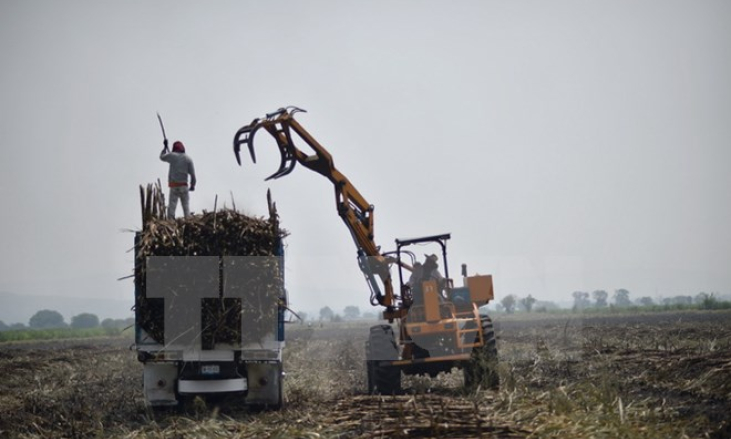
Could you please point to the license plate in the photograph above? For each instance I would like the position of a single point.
(210, 369)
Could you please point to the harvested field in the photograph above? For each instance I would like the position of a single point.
(658, 375)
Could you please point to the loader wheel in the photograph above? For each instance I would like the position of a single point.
(382, 346)
(482, 367)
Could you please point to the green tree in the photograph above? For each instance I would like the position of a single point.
(700, 298)
(326, 313)
(47, 319)
(621, 298)
(84, 321)
(527, 303)
(508, 303)
(600, 298)
(3, 326)
(109, 323)
(351, 312)
(581, 300)
(710, 302)
(646, 301)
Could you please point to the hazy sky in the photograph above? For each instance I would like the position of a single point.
(566, 145)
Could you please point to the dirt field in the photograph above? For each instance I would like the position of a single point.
(635, 376)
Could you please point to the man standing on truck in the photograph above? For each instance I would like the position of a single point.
(181, 165)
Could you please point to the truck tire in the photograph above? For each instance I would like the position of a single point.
(280, 398)
(382, 346)
(481, 370)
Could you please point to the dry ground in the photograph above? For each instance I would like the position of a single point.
(636, 376)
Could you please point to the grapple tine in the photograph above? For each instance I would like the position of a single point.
(245, 135)
(288, 170)
(251, 150)
(293, 110)
(275, 175)
(283, 170)
(237, 149)
(237, 144)
(287, 162)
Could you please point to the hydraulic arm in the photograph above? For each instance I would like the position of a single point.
(352, 207)
(440, 325)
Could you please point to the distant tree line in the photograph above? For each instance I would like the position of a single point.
(350, 312)
(582, 299)
(601, 299)
(50, 319)
(621, 299)
(512, 303)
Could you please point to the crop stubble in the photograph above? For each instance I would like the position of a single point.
(654, 375)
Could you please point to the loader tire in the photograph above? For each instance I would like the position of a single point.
(382, 346)
(481, 370)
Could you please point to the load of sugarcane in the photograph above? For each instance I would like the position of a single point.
(254, 298)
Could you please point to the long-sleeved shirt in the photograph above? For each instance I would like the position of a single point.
(181, 165)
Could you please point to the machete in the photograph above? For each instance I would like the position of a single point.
(162, 127)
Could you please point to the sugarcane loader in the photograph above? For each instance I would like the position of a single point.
(440, 326)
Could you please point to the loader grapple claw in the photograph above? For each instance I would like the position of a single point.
(276, 124)
(245, 135)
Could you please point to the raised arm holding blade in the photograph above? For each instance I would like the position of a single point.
(181, 165)
(164, 137)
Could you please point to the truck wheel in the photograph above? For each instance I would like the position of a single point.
(382, 346)
(481, 370)
(280, 398)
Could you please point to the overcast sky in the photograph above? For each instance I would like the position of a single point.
(566, 145)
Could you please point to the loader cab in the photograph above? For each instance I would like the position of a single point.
(434, 295)
(423, 278)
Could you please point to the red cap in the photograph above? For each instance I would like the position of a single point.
(178, 146)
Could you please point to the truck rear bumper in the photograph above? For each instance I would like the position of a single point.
(212, 386)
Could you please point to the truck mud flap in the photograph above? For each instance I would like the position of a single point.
(159, 380)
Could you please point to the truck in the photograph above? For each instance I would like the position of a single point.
(209, 306)
(439, 326)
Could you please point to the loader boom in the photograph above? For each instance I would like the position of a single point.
(352, 207)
